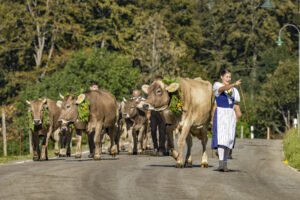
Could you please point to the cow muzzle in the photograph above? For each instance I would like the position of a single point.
(37, 122)
(146, 106)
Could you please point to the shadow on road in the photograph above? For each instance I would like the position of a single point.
(173, 166)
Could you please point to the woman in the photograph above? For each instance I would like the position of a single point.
(224, 118)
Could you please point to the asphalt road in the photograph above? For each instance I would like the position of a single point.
(257, 172)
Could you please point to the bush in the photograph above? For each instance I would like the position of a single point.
(291, 148)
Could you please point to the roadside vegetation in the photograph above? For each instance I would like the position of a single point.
(291, 148)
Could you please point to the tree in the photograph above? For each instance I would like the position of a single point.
(279, 96)
(157, 53)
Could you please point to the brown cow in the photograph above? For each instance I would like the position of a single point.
(136, 123)
(103, 117)
(37, 109)
(197, 98)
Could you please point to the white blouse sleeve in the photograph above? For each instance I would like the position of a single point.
(236, 96)
(216, 87)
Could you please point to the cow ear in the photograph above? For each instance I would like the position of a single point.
(44, 101)
(80, 98)
(59, 103)
(172, 87)
(28, 102)
(61, 96)
(145, 88)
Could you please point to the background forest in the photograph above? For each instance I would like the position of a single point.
(52, 46)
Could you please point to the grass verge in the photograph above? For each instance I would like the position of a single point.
(29, 156)
(291, 148)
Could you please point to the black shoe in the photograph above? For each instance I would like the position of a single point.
(166, 153)
(225, 169)
(221, 166)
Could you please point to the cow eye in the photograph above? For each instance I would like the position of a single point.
(158, 92)
(68, 106)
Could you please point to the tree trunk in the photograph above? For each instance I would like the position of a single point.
(4, 133)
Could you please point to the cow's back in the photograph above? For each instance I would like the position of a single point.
(103, 107)
(197, 97)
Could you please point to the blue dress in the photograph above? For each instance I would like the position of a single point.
(224, 121)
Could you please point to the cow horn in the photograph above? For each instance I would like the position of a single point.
(45, 100)
(61, 96)
(124, 99)
(28, 102)
(145, 88)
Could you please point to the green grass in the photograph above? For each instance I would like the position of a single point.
(7, 159)
(291, 148)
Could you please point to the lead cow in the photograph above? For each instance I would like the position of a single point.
(38, 109)
(103, 118)
(197, 98)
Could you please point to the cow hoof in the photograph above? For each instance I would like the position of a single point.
(62, 155)
(113, 155)
(179, 165)
(204, 165)
(188, 164)
(35, 158)
(130, 153)
(56, 153)
(123, 148)
(78, 156)
(97, 157)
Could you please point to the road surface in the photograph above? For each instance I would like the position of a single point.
(257, 172)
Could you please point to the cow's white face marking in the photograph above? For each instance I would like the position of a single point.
(59, 103)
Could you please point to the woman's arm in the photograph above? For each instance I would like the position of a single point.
(238, 112)
(227, 87)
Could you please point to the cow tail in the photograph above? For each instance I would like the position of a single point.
(211, 110)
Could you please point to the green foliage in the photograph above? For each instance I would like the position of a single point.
(30, 121)
(278, 97)
(176, 103)
(291, 148)
(84, 111)
(246, 129)
(45, 120)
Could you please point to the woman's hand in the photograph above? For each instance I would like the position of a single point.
(237, 83)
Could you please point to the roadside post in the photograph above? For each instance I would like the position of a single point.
(252, 134)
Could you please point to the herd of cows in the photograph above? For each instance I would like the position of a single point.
(107, 116)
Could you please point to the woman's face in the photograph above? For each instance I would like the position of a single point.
(226, 78)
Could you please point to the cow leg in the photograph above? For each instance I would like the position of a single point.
(45, 144)
(91, 144)
(130, 138)
(185, 131)
(102, 143)
(149, 138)
(188, 159)
(170, 139)
(78, 143)
(69, 140)
(113, 146)
(140, 140)
(135, 141)
(204, 162)
(35, 146)
(98, 131)
(123, 137)
(56, 140)
(117, 138)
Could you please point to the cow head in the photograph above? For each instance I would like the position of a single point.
(158, 95)
(130, 108)
(37, 108)
(69, 112)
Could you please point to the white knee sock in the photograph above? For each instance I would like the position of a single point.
(226, 153)
(221, 153)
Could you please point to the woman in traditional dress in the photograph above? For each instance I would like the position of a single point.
(224, 118)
